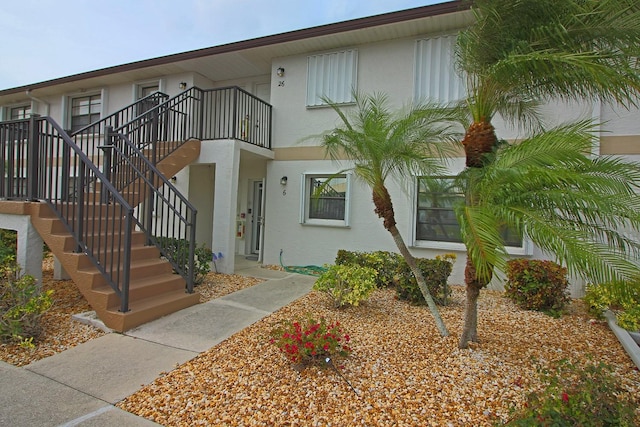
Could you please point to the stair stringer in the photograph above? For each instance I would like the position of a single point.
(154, 290)
(169, 166)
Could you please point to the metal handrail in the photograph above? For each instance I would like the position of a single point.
(220, 113)
(157, 197)
(124, 114)
(27, 173)
(91, 136)
(48, 148)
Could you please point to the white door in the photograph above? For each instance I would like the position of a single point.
(257, 218)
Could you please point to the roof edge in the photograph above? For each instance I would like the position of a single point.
(321, 30)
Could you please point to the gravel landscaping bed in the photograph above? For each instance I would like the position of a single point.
(403, 372)
(60, 332)
(216, 285)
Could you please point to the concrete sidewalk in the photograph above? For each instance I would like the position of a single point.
(80, 386)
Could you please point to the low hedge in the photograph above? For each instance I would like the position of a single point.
(383, 262)
(538, 285)
(392, 270)
(436, 272)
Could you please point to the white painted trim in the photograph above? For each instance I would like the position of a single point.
(345, 223)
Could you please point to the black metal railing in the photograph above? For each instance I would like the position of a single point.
(101, 181)
(45, 162)
(162, 211)
(221, 113)
(14, 160)
(173, 123)
(91, 136)
(211, 114)
(233, 113)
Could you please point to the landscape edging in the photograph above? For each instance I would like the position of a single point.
(628, 343)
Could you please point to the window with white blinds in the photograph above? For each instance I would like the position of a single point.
(333, 76)
(435, 75)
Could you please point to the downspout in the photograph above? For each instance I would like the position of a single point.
(33, 98)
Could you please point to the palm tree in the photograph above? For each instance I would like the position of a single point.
(516, 55)
(568, 203)
(383, 145)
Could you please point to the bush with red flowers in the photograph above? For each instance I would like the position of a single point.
(576, 395)
(310, 341)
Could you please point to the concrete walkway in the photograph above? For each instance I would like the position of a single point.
(80, 386)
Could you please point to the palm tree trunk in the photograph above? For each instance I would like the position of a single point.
(479, 140)
(384, 209)
(422, 284)
(470, 328)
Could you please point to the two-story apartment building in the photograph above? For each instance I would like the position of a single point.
(254, 104)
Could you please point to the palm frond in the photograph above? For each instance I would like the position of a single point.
(599, 261)
(570, 49)
(479, 229)
(565, 143)
(568, 203)
(383, 143)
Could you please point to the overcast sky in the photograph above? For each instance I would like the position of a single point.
(47, 39)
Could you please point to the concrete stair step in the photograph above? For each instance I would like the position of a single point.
(155, 290)
(148, 309)
(142, 288)
(67, 243)
(79, 261)
(139, 269)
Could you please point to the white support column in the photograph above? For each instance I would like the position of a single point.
(225, 206)
(58, 270)
(29, 253)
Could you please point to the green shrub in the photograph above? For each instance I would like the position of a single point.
(436, 273)
(180, 247)
(537, 285)
(577, 396)
(345, 257)
(385, 263)
(8, 245)
(629, 318)
(621, 298)
(347, 284)
(22, 303)
(599, 298)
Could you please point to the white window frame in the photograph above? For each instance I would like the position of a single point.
(435, 77)
(21, 106)
(67, 102)
(5, 112)
(91, 111)
(139, 86)
(306, 193)
(525, 249)
(332, 75)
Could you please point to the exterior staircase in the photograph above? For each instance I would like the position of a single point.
(103, 201)
(154, 289)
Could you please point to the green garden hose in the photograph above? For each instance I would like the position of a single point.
(309, 270)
